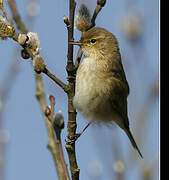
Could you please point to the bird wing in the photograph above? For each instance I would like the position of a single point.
(120, 91)
(120, 106)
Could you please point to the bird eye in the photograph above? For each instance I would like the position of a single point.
(93, 41)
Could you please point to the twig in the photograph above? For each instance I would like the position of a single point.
(62, 159)
(100, 4)
(96, 12)
(16, 16)
(79, 134)
(58, 125)
(55, 79)
(69, 89)
(40, 96)
(5, 14)
(29, 52)
(66, 21)
(52, 146)
(41, 65)
(71, 70)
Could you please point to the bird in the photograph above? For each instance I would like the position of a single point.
(101, 86)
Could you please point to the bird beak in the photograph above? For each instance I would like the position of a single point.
(76, 43)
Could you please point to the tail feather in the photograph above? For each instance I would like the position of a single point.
(130, 136)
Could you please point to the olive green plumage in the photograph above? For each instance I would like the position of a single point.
(101, 86)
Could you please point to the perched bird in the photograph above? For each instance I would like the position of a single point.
(101, 86)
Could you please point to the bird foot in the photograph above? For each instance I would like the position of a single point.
(71, 140)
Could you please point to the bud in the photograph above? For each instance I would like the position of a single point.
(38, 64)
(83, 20)
(47, 111)
(59, 120)
(66, 21)
(33, 42)
(101, 2)
(58, 124)
(22, 38)
(52, 99)
(25, 54)
(5, 29)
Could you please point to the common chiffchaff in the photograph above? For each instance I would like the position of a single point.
(101, 86)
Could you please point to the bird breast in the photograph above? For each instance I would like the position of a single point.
(92, 90)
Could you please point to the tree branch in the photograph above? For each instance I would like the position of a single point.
(39, 67)
(55, 79)
(100, 4)
(16, 16)
(52, 146)
(23, 29)
(71, 71)
(57, 122)
(41, 98)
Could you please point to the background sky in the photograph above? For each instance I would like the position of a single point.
(23, 135)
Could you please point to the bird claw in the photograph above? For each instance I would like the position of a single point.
(71, 140)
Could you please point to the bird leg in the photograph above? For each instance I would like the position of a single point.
(73, 139)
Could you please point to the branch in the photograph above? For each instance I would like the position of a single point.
(100, 5)
(55, 79)
(57, 122)
(71, 71)
(27, 52)
(40, 96)
(72, 5)
(38, 62)
(20, 25)
(4, 13)
(52, 146)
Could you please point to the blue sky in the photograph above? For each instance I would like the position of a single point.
(26, 154)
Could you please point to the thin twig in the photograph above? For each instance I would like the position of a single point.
(52, 146)
(66, 21)
(96, 12)
(79, 134)
(55, 79)
(71, 70)
(58, 124)
(64, 165)
(5, 14)
(23, 29)
(100, 4)
(16, 16)
(45, 71)
(41, 98)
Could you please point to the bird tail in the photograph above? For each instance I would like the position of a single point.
(130, 136)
